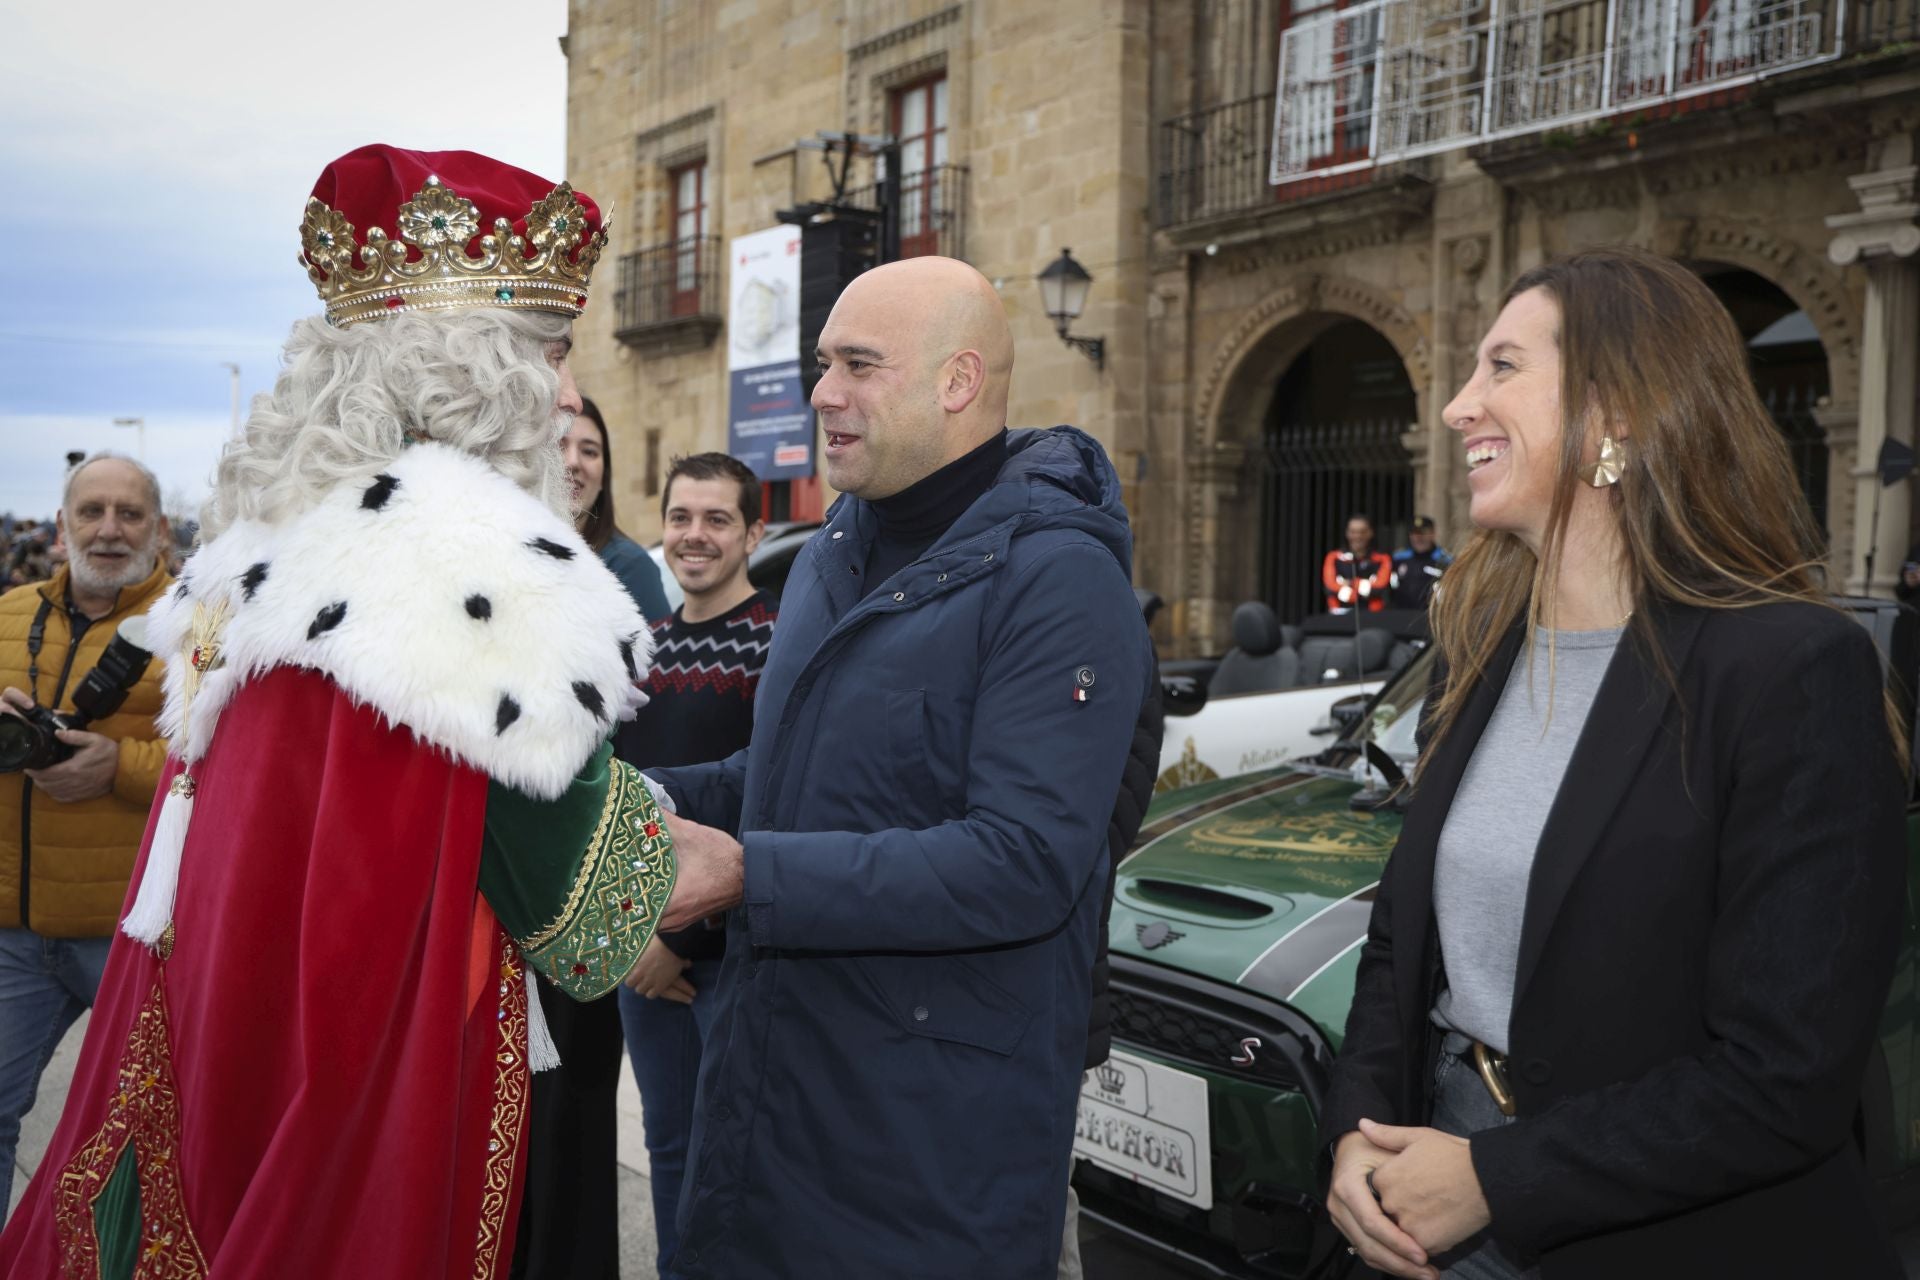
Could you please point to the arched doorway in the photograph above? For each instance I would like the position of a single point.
(1332, 447)
(1789, 369)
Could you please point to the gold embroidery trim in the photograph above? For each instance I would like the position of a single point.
(509, 1110)
(626, 877)
(609, 811)
(144, 1111)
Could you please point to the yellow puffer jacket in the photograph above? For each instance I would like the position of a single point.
(75, 858)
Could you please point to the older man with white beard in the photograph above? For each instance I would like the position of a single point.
(69, 832)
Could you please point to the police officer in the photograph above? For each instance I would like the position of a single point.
(1418, 565)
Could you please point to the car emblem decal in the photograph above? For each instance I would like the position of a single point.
(1185, 816)
(1248, 1051)
(1157, 934)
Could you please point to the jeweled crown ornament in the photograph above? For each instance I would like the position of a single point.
(469, 231)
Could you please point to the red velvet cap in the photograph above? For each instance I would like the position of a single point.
(447, 229)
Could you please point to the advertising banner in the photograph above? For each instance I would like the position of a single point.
(769, 423)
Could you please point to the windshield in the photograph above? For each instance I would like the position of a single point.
(1396, 712)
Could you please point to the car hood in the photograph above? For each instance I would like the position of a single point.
(1264, 881)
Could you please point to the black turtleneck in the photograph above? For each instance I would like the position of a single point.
(914, 518)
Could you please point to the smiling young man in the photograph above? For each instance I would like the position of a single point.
(707, 658)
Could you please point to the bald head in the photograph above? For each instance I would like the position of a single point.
(916, 363)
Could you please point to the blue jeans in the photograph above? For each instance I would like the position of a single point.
(664, 1039)
(45, 983)
(1463, 1107)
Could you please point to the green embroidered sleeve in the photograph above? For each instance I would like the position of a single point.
(579, 881)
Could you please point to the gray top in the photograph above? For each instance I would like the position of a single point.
(1492, 831)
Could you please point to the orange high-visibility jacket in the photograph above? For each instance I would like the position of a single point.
(1366, 581)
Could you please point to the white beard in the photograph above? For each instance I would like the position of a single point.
(551, 486)
(139, 566)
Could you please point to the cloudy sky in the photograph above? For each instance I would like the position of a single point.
(153, 170)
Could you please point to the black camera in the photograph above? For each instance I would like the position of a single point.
(29, 742)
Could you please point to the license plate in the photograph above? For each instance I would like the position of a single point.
(1147, 1122)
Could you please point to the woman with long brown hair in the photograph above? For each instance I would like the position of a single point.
(1626, 963)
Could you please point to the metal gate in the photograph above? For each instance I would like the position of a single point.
(1317, 475)
(1791, 409)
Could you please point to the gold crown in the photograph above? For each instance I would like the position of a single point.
(537, 271)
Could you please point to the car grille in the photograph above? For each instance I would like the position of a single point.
(1202, 1039)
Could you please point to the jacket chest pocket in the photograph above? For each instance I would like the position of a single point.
(926, 746)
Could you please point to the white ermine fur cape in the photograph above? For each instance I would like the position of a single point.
(439, 593)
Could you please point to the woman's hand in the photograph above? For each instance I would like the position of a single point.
(1350, 1201)
(1427, 1185)
(659, 974)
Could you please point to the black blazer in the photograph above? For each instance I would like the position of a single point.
(1711, 929)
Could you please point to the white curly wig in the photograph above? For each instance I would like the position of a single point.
(348, 401)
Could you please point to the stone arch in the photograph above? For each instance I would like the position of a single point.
(1236, 387)
(1815, 285)
(1269, 329)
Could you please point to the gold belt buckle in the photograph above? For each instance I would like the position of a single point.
(1493, 1072)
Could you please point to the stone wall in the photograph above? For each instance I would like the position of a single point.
(1061, 112)
(1046, 108)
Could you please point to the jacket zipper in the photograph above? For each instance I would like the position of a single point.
(74, 636)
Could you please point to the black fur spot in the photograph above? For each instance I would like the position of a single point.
(250, 580)
(553, 549)
(626, 656)
(180, 592)
(327, 619)
(508, 712)
(480, 607)
(590, 699)
(377, 494)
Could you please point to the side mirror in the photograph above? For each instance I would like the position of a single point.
(1346, 713)
(1182, 695)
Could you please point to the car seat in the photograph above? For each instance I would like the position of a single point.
(1258, 661)
(1328, 659)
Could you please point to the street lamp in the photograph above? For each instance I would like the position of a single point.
(139, 426)
(1063, 291)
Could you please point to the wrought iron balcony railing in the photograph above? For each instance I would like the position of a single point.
(1215, 162)
(1388, 80)
(670, 289)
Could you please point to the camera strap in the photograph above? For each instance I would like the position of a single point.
(36, 636)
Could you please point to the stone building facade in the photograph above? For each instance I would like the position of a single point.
(1279, 354)
(1045, 139)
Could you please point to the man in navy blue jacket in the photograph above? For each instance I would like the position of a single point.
(922, 821)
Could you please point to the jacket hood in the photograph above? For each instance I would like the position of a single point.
(1055, 478)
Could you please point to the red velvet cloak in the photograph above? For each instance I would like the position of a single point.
(327, 1076)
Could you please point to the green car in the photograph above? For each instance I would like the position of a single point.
(1236, 931)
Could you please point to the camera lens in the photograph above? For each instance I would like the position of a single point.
(18, 741)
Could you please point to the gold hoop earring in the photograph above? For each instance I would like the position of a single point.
(1612, 462)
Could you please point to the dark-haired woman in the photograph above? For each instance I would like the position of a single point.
(1626, 964)
(589, 456)
(569, 1226)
